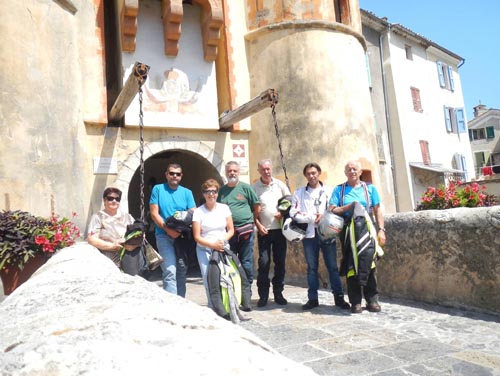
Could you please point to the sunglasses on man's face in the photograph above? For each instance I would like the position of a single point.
(171, 173)
(112, 198)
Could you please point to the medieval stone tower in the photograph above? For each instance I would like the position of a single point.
(65, 64)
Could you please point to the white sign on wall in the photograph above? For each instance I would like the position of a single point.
(107, 166)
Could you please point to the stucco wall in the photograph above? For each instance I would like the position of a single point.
(324, 111)
(42, 157)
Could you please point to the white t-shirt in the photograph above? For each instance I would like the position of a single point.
(212, 222)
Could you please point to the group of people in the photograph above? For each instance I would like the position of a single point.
(230, 215)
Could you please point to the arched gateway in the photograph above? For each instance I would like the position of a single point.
(198, 160)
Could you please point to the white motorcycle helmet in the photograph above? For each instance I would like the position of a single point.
(330, 226)
(292, 231)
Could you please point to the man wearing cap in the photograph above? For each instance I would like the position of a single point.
(270, 238)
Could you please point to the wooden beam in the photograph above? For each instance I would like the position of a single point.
(265, 99)
(136, 79)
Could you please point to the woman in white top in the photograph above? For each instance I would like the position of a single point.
(212, 227)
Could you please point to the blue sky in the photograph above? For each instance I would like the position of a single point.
(471, 29)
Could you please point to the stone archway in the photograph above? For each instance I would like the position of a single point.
(199, 162)
(182, 144)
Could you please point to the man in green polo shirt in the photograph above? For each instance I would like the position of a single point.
(244, 205)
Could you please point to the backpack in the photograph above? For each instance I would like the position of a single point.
(228, 285)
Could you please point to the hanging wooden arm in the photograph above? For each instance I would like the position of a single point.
(265, 99)
(136, 79)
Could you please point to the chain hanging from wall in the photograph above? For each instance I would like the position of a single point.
(274, 101)
(141, 72)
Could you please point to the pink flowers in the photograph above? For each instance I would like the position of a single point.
(57, 234)
(456, 195)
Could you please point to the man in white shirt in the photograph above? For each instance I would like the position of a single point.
(309, 203)
(270, 238)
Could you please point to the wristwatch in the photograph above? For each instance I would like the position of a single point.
(382, 229)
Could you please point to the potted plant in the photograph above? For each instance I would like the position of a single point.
(28, 241)
(456, 195)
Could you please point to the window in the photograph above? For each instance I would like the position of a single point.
(454, 120)
(409, 54)
(460, 163)
(445, 75)
(477, 134)
(342, 11)
(490, 132)
(426, 155)
(367, 62)
(415, 96)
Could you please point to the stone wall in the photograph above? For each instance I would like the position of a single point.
(447, 257)
(79, 315)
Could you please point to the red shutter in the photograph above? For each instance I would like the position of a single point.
(424, 148)
(415, 96)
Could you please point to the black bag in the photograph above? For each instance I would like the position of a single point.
(243, 233)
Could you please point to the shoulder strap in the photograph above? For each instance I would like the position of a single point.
(342, 193)
(367, 196)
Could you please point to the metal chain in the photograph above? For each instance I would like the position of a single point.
(273, 111)
(141, 152)
(141, 73)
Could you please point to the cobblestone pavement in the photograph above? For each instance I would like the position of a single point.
(406, 338)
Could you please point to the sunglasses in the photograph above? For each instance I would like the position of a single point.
(174, 173)
(112, 198)
(210, 192)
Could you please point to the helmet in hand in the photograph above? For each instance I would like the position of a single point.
(294, 231)
(330, 226)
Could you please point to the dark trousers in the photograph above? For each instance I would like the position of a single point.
(355, 291)
(274, 242)
(243, 247)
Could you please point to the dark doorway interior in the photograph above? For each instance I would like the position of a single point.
(195, 171)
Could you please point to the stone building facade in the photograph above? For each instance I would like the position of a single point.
(65, 63)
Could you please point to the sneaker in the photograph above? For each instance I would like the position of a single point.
(356, 308)
(374, 307)
(311, 303)
(340, 302)
(279, 299)
(262, 302)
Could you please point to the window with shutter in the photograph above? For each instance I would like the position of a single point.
(415, 96)
(424, 149)
(445, 75)
(450, 78)
(459, 113)
(490, 132)
(442, 81)
(447, 119)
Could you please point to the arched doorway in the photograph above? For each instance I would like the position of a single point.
(199, 163)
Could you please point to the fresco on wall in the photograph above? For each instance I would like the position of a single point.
(177, 101)
(175, 94)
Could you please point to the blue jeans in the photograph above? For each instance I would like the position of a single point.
(311, 250)
(203, 255)
(173, 276)
(244, 251)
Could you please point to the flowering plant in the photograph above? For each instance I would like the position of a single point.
(456, 195)
(23, 235)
